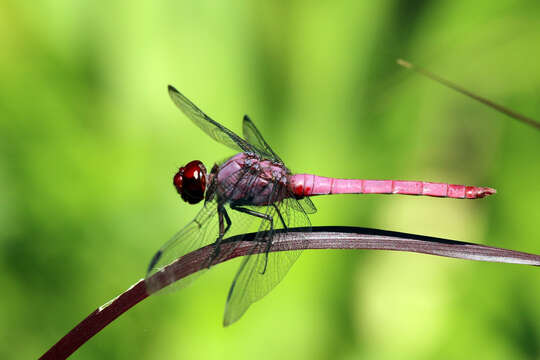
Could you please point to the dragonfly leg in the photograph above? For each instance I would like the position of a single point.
(280, 217)
(223, 228)
(265, 217)
(269, 243)
(254, 213)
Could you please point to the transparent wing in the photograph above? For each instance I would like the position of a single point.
(254, 137)
(201, 231)
(215, 130)
(307, 205)
(260, 273)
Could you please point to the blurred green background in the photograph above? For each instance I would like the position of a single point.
(90, 140)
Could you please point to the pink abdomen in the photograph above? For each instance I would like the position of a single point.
(310, 185)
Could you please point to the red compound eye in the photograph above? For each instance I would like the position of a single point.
(190, 182)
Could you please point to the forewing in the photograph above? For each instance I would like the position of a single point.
(215, 130)
(256, 278)
(254, 137)
(201, 231)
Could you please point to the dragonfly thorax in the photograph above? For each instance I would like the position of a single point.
(248, 179)
(190, 181)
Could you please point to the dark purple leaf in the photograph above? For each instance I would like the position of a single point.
(326, 237)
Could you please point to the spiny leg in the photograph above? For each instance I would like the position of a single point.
(269, 242)
(262, 216)
(222, 214)
(280, 217)
(254, 213)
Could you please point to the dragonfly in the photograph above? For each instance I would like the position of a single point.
(256, 184)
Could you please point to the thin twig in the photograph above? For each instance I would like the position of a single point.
(458, 88)
(319, 238)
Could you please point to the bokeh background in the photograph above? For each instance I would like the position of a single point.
(90, 140)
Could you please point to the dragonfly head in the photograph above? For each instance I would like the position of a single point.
(190, 181)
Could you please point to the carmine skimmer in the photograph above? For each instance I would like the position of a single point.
(256, 183)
